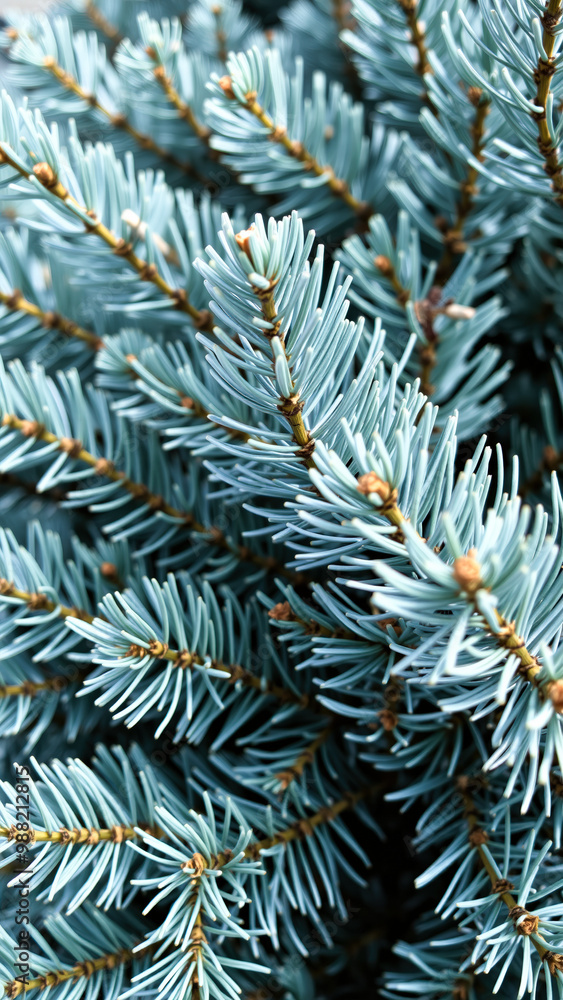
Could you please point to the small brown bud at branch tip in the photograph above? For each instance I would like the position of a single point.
(226, 85)
(467, 572)
(45, 174)
(383, 264)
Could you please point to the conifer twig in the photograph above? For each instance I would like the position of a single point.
(79, 835)
(524, 922)
(16, 302)
(118, 119)
(220, 35)
(31, 689)
(467, 574)
(78, 971)
(298, 830)
(138, 491)
(185, 112)
(101, 22)
(278, 134)
(417, 35)
(306, 757)
(542, 77)
(341, 13)
(48, 179)
(454, 236)
(305, 826)
(40, 602)
(290, 406)
(184, 659)
(426, 310)
(283, 612)
(11, 479)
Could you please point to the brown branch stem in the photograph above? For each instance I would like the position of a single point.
(524, 922)
(117, 119)
(104, 467)
(306, 757)
(46, 176)
(106, 27)
(16, 302)
(78, 971)
(467, 576)
(278, 134)
(185, 112)
(297, 830)
(182, 658)
(542, 78)
(454, 236)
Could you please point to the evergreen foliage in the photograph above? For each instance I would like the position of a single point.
(281, 585)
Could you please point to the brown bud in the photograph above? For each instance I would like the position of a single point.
(554, 962)
(184, 659)
(196, 865)
(243, 240)
(467, 572)
(31, 428)
(226, 85)
(555, 692)
(37, 602)
(45, 175)
(526, 926)
(502, 885)
(109, 570)
(71, 446)
(281, 612)
(478, 836)
(135, 650)
(371, 483)
(383, 264)
(277, 134)
(103, 467)
(551, 458)
(388, 719)
(474, 94)
(158, 648)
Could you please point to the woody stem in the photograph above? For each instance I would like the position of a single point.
(15, 302)
(104, 467)
(278, 134)
(117, 119)
(44, 174)
(478, 837)
(542, 77)
(82, 969)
